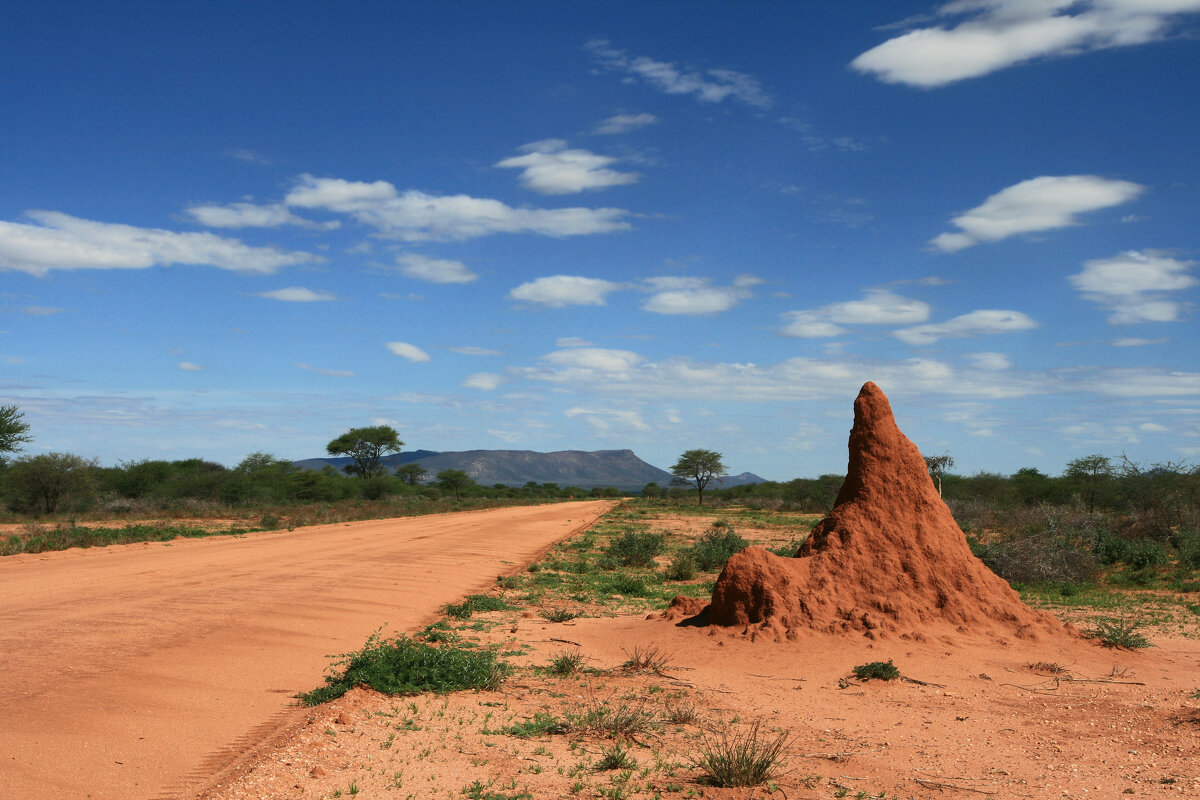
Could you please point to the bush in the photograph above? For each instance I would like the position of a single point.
(716, 545)
(1119, 634)
(682, 566)
(1137, 553)
(637, 549)
(1187, 544)
(1038, 558)
(627, 585)
(405, 666)
(877, 670)
(746, 759)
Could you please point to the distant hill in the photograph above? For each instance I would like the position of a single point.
(619, 468)
(740, 480)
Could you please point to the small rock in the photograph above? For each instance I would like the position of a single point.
(344, 719)
(316, 772)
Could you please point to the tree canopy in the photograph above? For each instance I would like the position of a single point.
(455, 479)
(14, 430)
(367, 446)
(697, 468)
(937, 466)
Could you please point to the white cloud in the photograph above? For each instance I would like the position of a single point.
(975, 323)
(557, 291)
(1038, 204)
(329, 373)
(474, 351)
(409, 351)
(1135, 342)
(878, 307)
(296, 294)
(60, 241)
(608, 420)
(548, 167)
(624, 123)
(434, 270)
(996, 34)
(1152, 427)
(512, 437)
(1145, 382)
(188, 366)
(990, 361)
(572, 341)
(249, 215)
(696, 296)
(709, 86)
(484, 381)
(1131, 286)
(249, 156)
(416, 216)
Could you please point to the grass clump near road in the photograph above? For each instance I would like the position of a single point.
(42, 539)
(1118, 634)
(747, 758)
(404, 666)
(473, 603)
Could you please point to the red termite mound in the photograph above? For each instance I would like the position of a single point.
(888, 560)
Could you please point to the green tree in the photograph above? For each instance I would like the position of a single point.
(47, 482)
(651, 489)
(697, 468)
(411, 473)
(1090, 473)
(14, 431)
(367, 446)
(937, 466)
(455, 479)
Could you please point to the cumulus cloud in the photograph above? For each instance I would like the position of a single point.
(1132, 284)
(976, 323)
(409, 351)
(624, 123)
(557, 291)
(434, 270)
(329, 373)
(296, 294)
(707, 86)
(878, 307)
(484, 381)
(188, 366)
(991, 35)
(990, 361)
(1038, 204)
(417, 216)
(60, 241)
(696, 296)
(249, 215)
(549, 167)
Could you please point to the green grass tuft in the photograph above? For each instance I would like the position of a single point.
(1118, 633)
(473, 603)
(740, 759)
(877, 670)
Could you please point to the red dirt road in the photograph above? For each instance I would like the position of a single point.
(150, 670)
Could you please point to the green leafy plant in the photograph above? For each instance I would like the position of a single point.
(558, 615)
(714, 547)
(682, 566)
(745, 758)
(634, 549)
(542, 724)
(406, 666)
(1118, 633)
(566, 663)
(877, 670)
(615, 757)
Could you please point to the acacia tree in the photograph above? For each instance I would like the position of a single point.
(367, 446)
(14, 430)
(454, 479)
(411, 473)
(937, 466)
(1092, 472)
(697, 468)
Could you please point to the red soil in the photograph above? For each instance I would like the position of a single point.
(888, 560)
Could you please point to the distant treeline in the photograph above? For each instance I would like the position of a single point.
(67, 483)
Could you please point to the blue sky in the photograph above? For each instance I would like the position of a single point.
(230, 227)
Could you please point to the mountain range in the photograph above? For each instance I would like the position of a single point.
(619, 468)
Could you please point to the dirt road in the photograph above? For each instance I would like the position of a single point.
(146, 670)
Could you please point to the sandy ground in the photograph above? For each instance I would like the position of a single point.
(149, 670)
(981, 717)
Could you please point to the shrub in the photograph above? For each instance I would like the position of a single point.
(740, 759)
(628, 585)
(682, 566)
(1187, 544)
(1038, 558)
(1119, 634)
(404, 666)
(636, 549)
(615, 757)
(877, 670)
(566, 663)
(473, 603)
(716, 545)
(1144, 553)
(558, 615)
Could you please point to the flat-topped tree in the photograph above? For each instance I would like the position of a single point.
(367, 446)
(698, 468)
